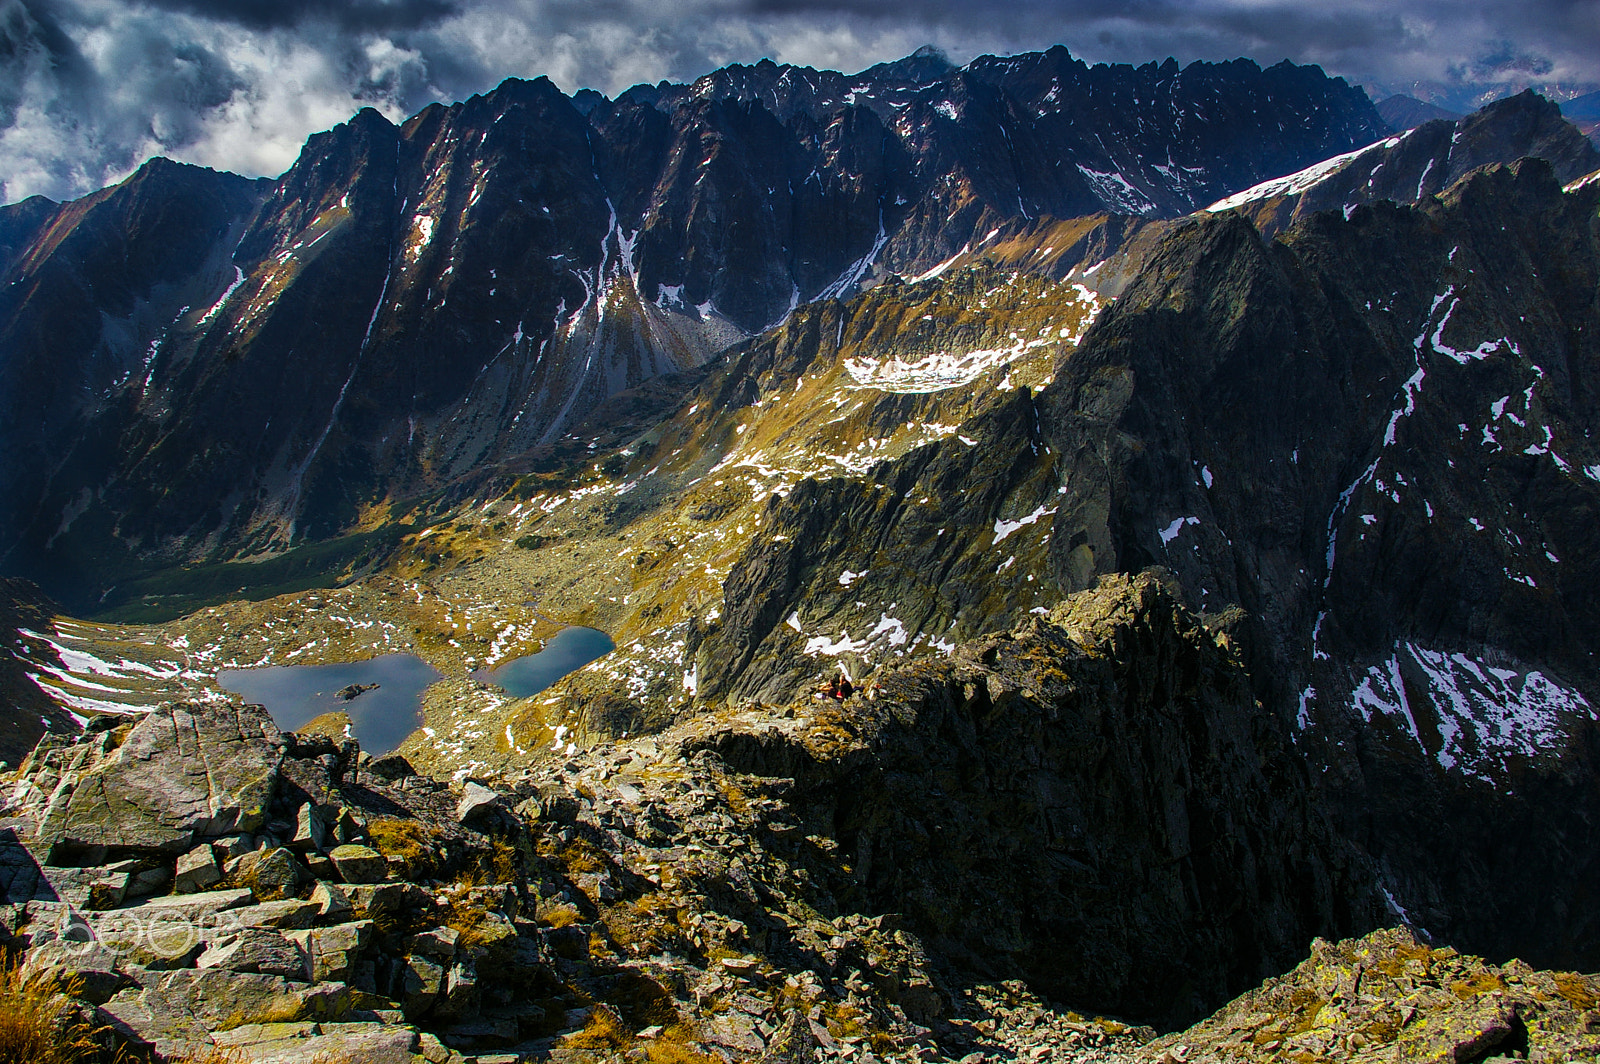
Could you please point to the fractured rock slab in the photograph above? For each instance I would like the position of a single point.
(255, 949)
(196, 871)
(187, 771)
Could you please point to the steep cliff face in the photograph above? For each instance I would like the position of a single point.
(278, 362)
(1414, 408)
(91, 290)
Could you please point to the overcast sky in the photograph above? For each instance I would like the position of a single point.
(91, 88)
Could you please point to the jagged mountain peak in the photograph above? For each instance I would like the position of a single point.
(927, 64)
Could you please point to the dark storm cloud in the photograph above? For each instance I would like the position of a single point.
(374, 16)
(1375, 32)
(65, 126)
(1505, 58)
(88, 88)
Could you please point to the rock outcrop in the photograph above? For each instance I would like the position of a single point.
(183, 774)
(275, 943)
(1094, 800)
(1389, 997)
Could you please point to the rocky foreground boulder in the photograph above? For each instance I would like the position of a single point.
(1087, 812)
(184, 774)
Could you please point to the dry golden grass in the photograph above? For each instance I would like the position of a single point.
(604, 1031)
(35, 1027)
(501, 864)
(676, 1045)
(561, 916)
(464, 919)
(737, 800)
(844, 1021)
(580, 856)
(1475, 986)
(468, 915)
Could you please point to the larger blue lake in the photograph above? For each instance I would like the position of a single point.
(568, 650)
(381, 718)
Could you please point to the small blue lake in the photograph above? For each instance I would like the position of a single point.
(381, 717)
(568, 650)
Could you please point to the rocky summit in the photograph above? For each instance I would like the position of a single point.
(1098, 564)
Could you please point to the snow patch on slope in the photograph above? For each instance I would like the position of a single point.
(1583, 182)
(1298, 182)
(1472, 717)
(1002, 529)
(238, 279)
(942, 370)
(1114, 191)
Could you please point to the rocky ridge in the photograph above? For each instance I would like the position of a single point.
(751, 884)
(1424, 160)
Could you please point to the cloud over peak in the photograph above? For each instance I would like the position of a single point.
(90, 88)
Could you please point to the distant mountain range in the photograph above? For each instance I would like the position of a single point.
(1462, 97)
(1404, 110)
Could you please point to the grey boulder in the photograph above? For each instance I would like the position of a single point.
(187, 771)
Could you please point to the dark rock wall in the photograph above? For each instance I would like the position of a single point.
(1094, 801)
(26, 712)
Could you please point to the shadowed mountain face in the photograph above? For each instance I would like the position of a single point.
(196, 365)
(1367, 449)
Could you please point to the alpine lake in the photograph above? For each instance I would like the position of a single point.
(383, 696)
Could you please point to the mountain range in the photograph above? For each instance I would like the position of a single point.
(267, 363)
